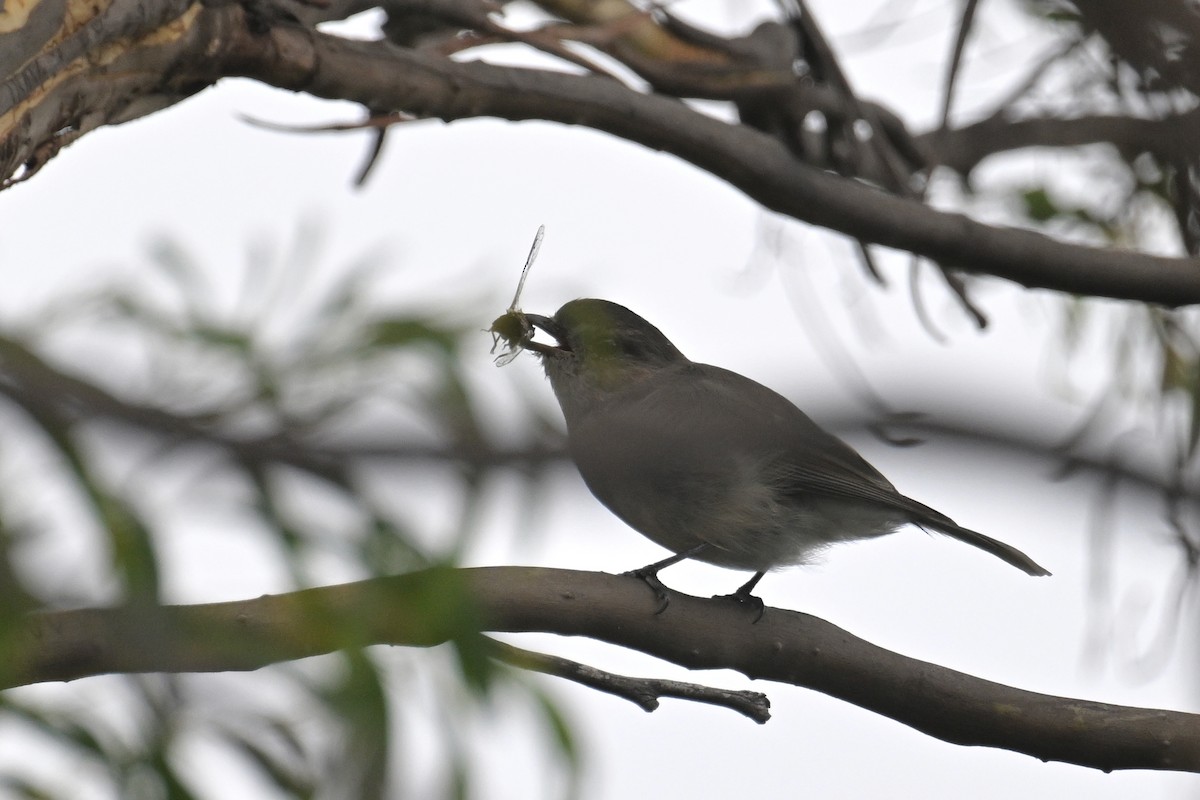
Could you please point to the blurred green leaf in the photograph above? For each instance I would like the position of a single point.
(561, 732)
(82, 733)
(222, 336)
(21, 788)
(401, 331)
(387, 549)
(358, 701)
(247, 391)
(1039, 206)
(288, 771)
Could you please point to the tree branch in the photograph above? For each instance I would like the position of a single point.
(382, 77)
(643, 692)
(433, 606)
(211, 42)
(963, 148)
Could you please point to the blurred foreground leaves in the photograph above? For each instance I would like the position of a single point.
(296, 413)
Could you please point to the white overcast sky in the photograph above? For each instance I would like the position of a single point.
(453, 208)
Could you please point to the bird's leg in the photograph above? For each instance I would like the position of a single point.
(743, 596)
(649, 574)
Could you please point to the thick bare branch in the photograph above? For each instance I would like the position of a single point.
(427, 608)
(209, 43)
(385, 78)
(72, 67)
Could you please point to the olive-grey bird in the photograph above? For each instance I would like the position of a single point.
(710, 464)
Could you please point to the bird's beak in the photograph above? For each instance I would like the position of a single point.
(551, 327)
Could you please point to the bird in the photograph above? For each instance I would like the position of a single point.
(708, 463)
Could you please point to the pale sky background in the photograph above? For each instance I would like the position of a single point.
(452, 209)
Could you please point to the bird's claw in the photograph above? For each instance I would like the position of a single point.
(744, 598)
(650, 578)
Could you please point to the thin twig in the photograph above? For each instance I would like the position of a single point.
(643, 692)
(952, 70)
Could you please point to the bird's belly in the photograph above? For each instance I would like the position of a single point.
(746, 527)
(791, 534)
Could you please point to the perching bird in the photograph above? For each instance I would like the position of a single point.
(710, 464)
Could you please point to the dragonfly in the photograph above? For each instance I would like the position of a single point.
(512, 327)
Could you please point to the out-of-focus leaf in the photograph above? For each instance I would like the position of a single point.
(359, 703)
(181, 271)
(477, 669)
(453, 407)
(1194, 424)
(131, 547)
(237, 374)
(386, 549)
(406, 331)
(561, 733)
(133, 550)
(20, 788)
(84, 734)
(164, 773)
(223, 336)
(277, 522)
(458, 779)
(471, 649)
(1039, 206)
(1176, 370)
(288, 772)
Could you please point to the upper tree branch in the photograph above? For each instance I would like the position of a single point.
(963, 148)
(208, 43)
(430, 607)
(383, 77)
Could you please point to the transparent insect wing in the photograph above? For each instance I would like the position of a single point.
(506, 358)
(533, 254)
(502, 328)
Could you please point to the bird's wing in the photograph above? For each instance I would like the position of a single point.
(802, 458)
(799, 454)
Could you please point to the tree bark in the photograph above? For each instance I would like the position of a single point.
(430, 607)
(52, 100)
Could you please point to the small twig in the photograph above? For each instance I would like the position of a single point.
(372, 159)
(380, 123)
(548, 39)
(829, 68)
(868, 262)
(895, 171)
(375, 121)
(918, 301)
(643, 692)
(952, 69)
(1035, 75)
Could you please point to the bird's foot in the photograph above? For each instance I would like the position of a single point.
(753, 602)
(649, 576)
(744, 597)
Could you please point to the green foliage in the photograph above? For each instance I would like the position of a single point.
(1140, 193)
(297, 396)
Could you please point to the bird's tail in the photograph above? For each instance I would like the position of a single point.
(936, 521)
(997, 548)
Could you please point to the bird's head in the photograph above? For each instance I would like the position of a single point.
(599, 348)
